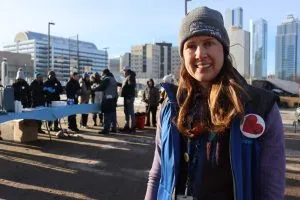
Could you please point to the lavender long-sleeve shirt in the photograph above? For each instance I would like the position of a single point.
(272, 168)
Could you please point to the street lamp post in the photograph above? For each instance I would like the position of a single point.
(185, 6)
(48, 60)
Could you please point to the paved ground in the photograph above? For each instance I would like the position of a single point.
(92, 166)
(292, 141)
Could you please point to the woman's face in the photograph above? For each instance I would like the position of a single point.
(203, 58)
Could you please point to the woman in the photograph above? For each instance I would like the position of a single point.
(84, 97)
(217, 137)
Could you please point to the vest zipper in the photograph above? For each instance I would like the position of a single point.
(233, 178)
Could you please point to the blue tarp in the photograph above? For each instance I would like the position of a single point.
(52, 113)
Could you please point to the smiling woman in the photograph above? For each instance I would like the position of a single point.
(203, 58)
(216, 135)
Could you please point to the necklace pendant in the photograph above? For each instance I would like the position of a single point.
(186, 157)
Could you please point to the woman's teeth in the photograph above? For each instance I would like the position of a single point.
(203, 66)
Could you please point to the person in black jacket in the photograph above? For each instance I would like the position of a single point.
(37, 96)
(73, 89)
(21, 89)
(52, 89)
(96, 96)
(151, 98)
(128, 92)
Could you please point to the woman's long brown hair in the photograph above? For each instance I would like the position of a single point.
(225, 100)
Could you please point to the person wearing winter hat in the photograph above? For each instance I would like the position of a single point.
(84, 97)
(168, 79)
(216, 135)
(151, 99)
(21, 89)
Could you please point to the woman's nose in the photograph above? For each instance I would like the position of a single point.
(200, 52)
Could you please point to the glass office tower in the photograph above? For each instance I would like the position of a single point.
(259, 48)
(65, 54)
(287, 63)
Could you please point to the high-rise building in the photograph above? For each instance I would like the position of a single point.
(259, 48)
(240, 50)
(237, 17)
(125, 60)
(239, 41)
(234, 18)
(165, 58)
(154, 60)
(175, 62)
(114, 64)
(251, 46)
(287, 62)
(66, 54)
(228, 22)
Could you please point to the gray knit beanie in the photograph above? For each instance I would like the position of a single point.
(203, 21)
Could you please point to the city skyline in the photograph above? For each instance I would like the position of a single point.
(121, 24)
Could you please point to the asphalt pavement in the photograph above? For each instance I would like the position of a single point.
(88, 165)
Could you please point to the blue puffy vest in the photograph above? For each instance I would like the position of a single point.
(244, 155)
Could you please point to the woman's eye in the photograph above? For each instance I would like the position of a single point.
(208, 44)
(191, 46)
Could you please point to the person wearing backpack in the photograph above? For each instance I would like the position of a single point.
(217, 137)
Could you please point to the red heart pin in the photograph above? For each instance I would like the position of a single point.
(251, 126)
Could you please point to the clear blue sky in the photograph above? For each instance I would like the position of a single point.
(119, 24)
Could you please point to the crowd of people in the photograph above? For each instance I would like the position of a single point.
(96, 88)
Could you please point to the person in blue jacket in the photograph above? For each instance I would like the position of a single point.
(217, 137)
